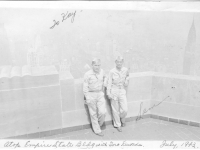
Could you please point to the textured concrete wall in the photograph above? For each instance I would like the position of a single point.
(29, 103)
(61, 105)
(38, 109)
(184, 96)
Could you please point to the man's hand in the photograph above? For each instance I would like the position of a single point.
(103, 89)
(85, 102)
(126, 83)
(109, 95)
(127, 78)
(127, 73)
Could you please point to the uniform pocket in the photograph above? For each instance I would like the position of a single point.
(92, 80)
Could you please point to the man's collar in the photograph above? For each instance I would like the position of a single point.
(96, 72)
(119, 70)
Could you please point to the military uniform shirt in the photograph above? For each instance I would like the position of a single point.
(93, 82)
(116, 79)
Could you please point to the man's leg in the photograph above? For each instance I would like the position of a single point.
(115, 107)
(93, 115)
(115, 112)
(123, 106)
(101, 106)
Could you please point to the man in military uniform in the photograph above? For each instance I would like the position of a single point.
(117, 81)
(93, 87)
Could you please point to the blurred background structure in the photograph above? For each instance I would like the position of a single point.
(42, 63)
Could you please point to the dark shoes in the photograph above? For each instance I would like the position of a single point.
(100, 134)
(103, 127)
(123, 124)
(119, 129)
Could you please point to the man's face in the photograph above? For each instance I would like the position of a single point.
(119, 63)
(96, 67)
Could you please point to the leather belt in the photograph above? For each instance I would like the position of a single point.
(96, 91)
(118, 86)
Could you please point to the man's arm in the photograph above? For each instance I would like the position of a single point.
(109, 83)
(85, 86)
(127, 78)
(104, 81)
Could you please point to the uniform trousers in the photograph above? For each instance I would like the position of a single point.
(97, 109)
(119, 106)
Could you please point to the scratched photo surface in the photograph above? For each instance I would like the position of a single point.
(44, 54)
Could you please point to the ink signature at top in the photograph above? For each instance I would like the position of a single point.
(146, 110)
(65, 16)
(55, 23)
(68, 15)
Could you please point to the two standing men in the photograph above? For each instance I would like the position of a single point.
(93, 87)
